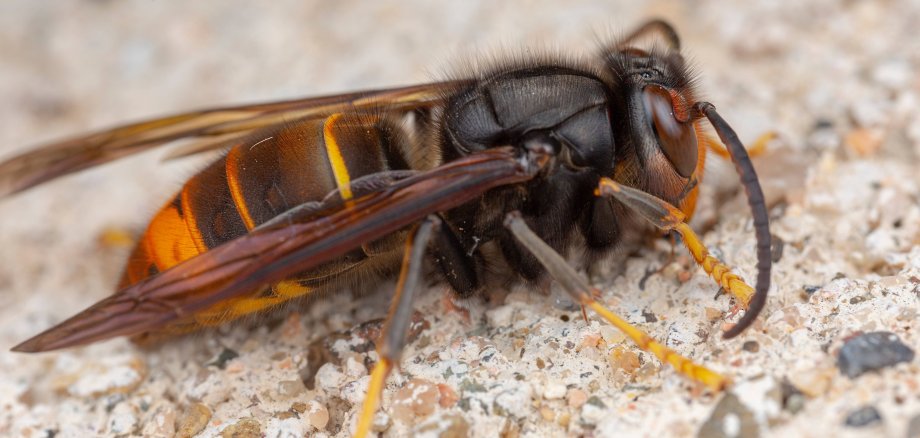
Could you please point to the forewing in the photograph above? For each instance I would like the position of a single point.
(223, 125)
(267, 256)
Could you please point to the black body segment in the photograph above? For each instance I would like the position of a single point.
(569, 105)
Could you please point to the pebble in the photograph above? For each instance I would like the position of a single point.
(870, 113)
(353, 367)
(355, 390)
(290, 388)
(123, 420)
(712, 313)
(762, 396)
(576, 398)
(589, 340)
(864, 142)
(813, 382)
(593, 414)
(894, 74)
(418, 398)
(863, 416)
(750, 346)
(449, 397)
(329, 378)
(194, 421)
(515, 400)
(554, 390)
(623, 358)
(317, 415)
(792, 398)
(448, 426)
(872, 351)
(245, 428)
(163, 424)
(111, 375)
(564, 419)
(286, 428)
(611, 335)
(225, 356)
(730, 419)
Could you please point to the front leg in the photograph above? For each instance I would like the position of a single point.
(669, 218)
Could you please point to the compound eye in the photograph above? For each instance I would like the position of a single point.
(677, 139)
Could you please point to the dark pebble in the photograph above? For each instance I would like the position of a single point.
(810, 289)
(596, 401)
(226, 355)
(863, 416)
(807, 291)
(729, 405)
(823, 124)
(872, 351)
(793, 399)
(776, 248)
(750, 346)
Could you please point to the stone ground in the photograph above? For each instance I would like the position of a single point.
(837, 79)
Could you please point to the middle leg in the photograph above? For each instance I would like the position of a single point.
(396, 326)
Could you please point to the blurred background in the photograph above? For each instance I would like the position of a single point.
(834, 78)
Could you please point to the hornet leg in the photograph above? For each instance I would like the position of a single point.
(579, 288)
(757, 149)
(396, 326)
(669, 218)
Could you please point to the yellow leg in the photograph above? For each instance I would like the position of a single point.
(668, 217)
(758, 148)
(393, 336)
(718, 271)
(576, 286)
(683, 365)
(372, 399)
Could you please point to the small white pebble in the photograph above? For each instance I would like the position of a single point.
(123, 420)
(591, 414)
(355, 391)
(459, 368)
(287, 428)
(353, 368)
(554, 390)
(894, 74)
(731, 425)
(515, 399)
(329, 378)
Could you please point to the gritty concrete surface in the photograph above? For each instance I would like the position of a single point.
(837, 79)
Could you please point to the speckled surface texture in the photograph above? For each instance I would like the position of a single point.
(837, 79)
